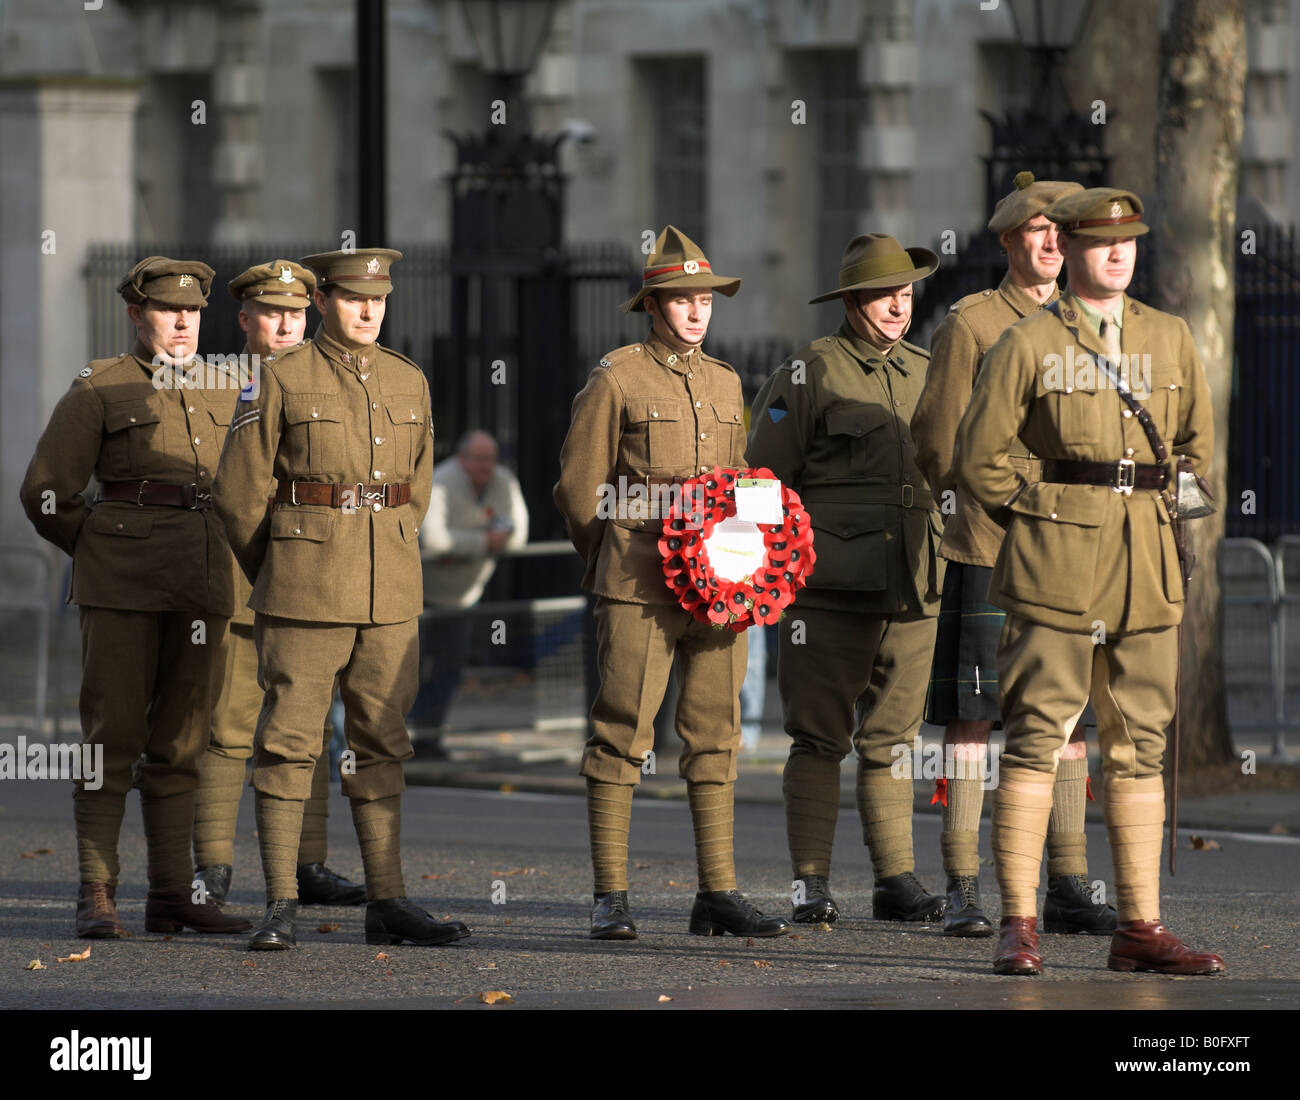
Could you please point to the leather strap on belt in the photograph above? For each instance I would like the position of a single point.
(354, 495)
(156, 492)
(1120, 476)
(904, 496)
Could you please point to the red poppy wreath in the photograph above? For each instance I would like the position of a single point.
(759, 595)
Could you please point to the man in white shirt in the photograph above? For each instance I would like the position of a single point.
(475, 512)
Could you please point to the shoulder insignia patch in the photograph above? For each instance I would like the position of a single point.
(778, 410)
(85, 372)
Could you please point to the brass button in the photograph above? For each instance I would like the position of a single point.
(379, 441)
(1069, 389)
(119, 527)
(1053, 515)
(197, 441)
(203, 473)
(374, 404)
(703, 435)
(672, 358)
(857, 431)
(189, 408)
(379, 473)
(315, 413)
(690, 374)
(364, 377)
(1128, 452)
(735, 416)
(897, 401)
(1173, 385)
(703, 469)
(133, 420)
(297, 530)
(699, 404)
(376, 506)
(1127, 413)
(654, 413)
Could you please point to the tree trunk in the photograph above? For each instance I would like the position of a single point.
(1194, 236)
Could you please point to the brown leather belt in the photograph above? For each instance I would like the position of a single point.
(156, 492)
(331, 495)
(1124, 475)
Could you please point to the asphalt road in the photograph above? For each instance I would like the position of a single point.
(528, 851)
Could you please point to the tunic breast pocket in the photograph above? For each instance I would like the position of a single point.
(406, 426)
(1164, 401)
(1075, 414)
(656, 436)
(850, 429)
(314, 427)
(730, 432)
(135, 440)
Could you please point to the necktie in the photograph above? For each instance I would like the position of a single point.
(1110, 335)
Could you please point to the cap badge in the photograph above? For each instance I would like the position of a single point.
(691, 267)
(185, 280)
(1116, 211)
(286, 276)
(372, 266)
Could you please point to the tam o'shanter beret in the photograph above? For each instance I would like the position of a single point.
(170, 282)
(1030, 197)
(278, 283)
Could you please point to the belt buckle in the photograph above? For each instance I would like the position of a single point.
(293, 492)
(377, 500)
(139, 493)
(1124, 484)
(202, 498)
(909, 496)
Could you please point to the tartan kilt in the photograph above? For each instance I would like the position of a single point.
(964, 673)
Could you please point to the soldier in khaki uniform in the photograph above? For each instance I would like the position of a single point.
(1088, 572)
(832, 422)
(659, 412)
(151, 575)
(344, 425)
(273, 301)
(963, 696)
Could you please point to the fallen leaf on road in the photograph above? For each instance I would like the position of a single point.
(723, 962)
(763, 963)
(445, 874)
(795, 936)
(516, 871)
(250, 964)
(506, 787)
(749, 943)
(509, 921)
(75, 958)
(664, 997)
(490, 966)
(1200, 844)
(329, 928)
(688, 885)
(1278, 829)
(496, 997)
(36, 964)
(823, 927)
(381, 956)
(642, 866)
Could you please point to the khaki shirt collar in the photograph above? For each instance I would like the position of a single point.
(678, 361)
(1094, 316)
(145, 358)
(867, 353)
(1019, 299)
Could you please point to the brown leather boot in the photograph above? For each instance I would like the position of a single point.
(96, 914)
(1149, 945)
(1018, 947)
(174, 910)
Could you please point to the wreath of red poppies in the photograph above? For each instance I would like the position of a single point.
(760, 598)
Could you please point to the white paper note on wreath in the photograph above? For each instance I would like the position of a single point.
(735, 549)
(759, 500)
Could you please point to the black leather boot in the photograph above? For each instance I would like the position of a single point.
(318, 885)
(216, 881)
(277, 932)
(964, 915)
(1069, 908)
(610, 919)
(400, 920)
(722, 911)
(818, 906)
(901, 897)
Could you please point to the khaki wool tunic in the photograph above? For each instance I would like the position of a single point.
(1076, 555)
(327, 414)
(957, 350)
(833, 423)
